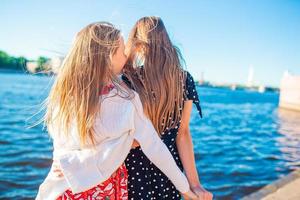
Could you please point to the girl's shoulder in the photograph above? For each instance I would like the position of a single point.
(191, 92)
(188, 76)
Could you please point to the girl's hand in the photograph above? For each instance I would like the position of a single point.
(190, 195)
(56, 169)
(202, 193)
(135, 144)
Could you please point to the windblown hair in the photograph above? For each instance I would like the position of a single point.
(74, 98)
(155, 70)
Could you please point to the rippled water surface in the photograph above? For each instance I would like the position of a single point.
(243, 142)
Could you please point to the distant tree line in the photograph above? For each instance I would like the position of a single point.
(19, 63)
(41, 63)
(10, 62)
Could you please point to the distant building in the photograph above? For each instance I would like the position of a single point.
(290, 92)
(261, 89)
(31, 66)
(250, 77)
(55, 63)
(51, 66)
(233, 87)
(201, 81)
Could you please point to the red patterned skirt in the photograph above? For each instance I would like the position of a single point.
(114, 188)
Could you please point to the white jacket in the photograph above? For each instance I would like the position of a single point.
(119, 122)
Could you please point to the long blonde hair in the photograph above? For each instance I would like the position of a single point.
(75, 94)
(160, 81)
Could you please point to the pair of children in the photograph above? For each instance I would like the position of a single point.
(94, 119)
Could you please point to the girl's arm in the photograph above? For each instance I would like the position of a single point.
(185, 146)
(186, 153)
(155, 149)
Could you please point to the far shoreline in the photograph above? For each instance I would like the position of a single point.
(6, 70)
(23, 71)
(207, 85)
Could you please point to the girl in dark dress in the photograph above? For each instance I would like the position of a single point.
(167, 93)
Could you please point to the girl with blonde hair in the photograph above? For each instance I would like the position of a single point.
(93, 119)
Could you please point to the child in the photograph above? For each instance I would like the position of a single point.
(155, 69)
(94, 118)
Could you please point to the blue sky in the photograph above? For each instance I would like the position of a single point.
(220, 38)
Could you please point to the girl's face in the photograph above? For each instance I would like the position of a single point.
(119, 58)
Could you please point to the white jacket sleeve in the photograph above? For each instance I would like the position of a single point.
(155, 149)
(76, 165)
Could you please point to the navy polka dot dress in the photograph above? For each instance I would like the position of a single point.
(145, 180)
